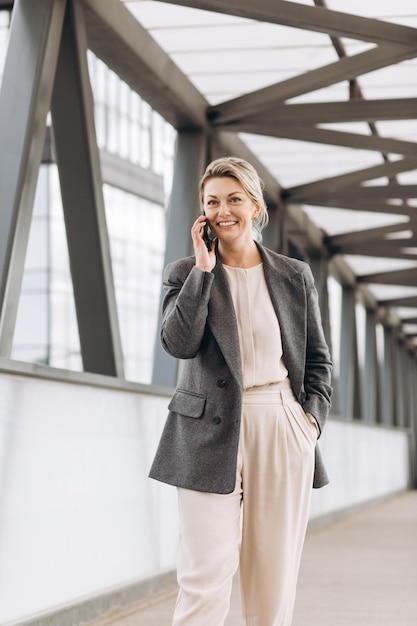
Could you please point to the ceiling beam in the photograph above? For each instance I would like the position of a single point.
(334, 138)
(307, 114)
(378, 248)
(405, 277)
(406, 301)
(389, 244)
(378, 253)
(386, 169)
(337, 202)
(130, 51)
(117, 38)
(369, 234)
(345, 68)
(306, 17)
(376, 192)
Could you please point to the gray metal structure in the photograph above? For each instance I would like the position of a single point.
(46, 70)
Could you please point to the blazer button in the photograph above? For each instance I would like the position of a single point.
(221, 382)
(217, 420)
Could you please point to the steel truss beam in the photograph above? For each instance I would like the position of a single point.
(339, 202)
(387, 169)
(32, 56)
(406, 277)
(374, 193)
(312, 113)
(406, 301)
(129, 50)
(333, 138)
(82, 196)
(297, 15)
(346, 68)
(367, 235)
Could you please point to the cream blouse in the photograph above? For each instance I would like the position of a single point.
(259, 332)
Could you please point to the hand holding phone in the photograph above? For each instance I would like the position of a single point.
(205, 257)
(206, 236)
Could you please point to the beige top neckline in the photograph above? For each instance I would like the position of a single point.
(234, 267)
(259, 332)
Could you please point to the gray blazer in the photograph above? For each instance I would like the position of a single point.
(198, 446)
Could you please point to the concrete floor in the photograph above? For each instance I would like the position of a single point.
(358, 571)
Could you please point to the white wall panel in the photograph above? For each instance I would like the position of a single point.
(78, 514)
(364, 462)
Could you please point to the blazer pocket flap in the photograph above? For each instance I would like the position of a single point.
(187, 403)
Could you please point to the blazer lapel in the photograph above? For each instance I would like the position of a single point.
(286, 289)
(222, 322)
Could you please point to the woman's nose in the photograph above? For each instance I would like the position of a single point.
(224, 208)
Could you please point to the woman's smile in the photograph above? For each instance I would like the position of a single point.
(226, 224)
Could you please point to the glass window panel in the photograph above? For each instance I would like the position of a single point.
(335, 311)
(137, 240)
(41, 322)
(65, 345)
(32, 323)
(35, 280)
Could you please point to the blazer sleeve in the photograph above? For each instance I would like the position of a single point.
(318, 365)
(184, 308)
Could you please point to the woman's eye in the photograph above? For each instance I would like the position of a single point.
(235, 200)
(211, 202)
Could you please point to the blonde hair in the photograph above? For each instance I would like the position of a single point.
(247, 176)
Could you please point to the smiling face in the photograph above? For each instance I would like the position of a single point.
(229, 210)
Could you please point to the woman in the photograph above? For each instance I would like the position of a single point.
(251, 401)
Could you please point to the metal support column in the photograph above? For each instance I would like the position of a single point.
(25, 97)
(274, 235)
(388, 404)
(371, 380)
(413, 418)
(190, 160)
(349, 388)
(320, 269)
(82, 197)
(400, 389)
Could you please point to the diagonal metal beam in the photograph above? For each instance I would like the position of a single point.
(393, 243)
(406, 301)
(387, 169)
(307, 114)
(355, 90)
(130, 51)
(406, 277)
(379, 253)
(82, 197)
(378, 248)
(345, 68)
(335, 138)
(24, 103)
(376, 192)
(306, 17)
(339, 202)
(370, 234)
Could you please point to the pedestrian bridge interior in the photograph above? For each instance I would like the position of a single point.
(109, 112)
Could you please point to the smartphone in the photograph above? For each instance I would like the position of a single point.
(206, 236)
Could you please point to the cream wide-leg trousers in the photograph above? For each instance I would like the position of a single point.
(274, 480)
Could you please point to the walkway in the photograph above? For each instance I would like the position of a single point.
(358, 571)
